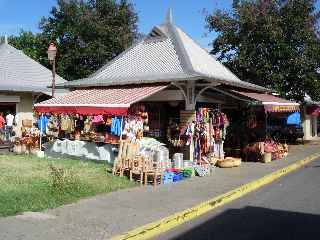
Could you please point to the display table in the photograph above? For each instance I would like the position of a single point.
(81, 149)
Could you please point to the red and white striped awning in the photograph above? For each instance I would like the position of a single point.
(111, 101)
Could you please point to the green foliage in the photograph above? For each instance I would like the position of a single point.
(29, 183)
(273, 43)
(32, 45)
(87, 34)
(63, 180)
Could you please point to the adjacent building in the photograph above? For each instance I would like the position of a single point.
(23, 82)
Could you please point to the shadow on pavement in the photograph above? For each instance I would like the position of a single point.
(256, 223)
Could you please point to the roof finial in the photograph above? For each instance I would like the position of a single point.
(169, 16)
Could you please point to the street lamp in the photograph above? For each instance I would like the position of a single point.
(52, 52)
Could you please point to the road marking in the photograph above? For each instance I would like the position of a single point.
(163, 225)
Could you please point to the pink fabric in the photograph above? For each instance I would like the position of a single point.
(97, 119)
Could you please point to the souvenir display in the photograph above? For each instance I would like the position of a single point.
(174, 135)
(153, 143)
(95, 128)
(207, 133)
(278, 151)
(28, 142)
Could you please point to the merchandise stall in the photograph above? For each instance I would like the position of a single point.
(108, 123)
(90, 123)
(256, 132)
(153, 91)
(87, 123)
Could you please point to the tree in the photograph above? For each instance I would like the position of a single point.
(273, 43)
(87, 34)
(33, 45)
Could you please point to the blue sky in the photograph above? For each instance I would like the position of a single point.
(187, 14)
(25, 14)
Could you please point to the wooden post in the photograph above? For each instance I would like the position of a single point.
(40, 142)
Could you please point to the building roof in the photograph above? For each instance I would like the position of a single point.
(271, 103)
(111, 100)
(265, 98)
(167, 54)
(20, 73)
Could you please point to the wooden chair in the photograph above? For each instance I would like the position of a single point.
(137, 168)
(127, 158)
(152, 169)
(117, 164)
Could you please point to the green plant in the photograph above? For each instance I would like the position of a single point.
(64, 180)
(28, 183)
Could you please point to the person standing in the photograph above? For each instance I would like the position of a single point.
(9, 125)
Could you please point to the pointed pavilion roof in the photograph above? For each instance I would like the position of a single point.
(166, 54)
(20, 73)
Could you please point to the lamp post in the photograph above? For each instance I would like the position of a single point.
(52, 52)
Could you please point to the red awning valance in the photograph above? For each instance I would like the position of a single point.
(281, 108)
(272, 103)
(113, 101)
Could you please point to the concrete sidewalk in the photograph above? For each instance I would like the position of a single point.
(107, 215)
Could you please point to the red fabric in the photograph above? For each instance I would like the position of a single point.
(2, 122)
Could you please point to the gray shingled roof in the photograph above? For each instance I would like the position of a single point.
(166, 54)
(20, 73)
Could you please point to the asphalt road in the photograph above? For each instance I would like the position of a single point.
(286, 209)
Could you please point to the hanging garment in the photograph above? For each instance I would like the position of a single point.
(42, 123)
(97, 119)
(108, 121)
(87, 125)
(116, 127)
(64, 123)
(79, 123)
(71, 126)
(218, 150)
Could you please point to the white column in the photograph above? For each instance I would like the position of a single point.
(191, 106)
(190, 102)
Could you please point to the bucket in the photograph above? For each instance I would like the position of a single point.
(40, 154)
(267, 157)
(178, 160)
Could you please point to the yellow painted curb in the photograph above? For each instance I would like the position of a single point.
(165, 224)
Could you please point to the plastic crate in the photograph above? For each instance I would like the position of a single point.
(177, 177)
(168, 177)
(188, 172)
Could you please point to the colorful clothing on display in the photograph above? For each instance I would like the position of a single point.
(2, 122)
(208, 133)
(116, 127)
(42, 123)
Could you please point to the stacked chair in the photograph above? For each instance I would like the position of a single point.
(138, 167)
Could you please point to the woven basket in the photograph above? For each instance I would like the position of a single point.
(229, 162)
